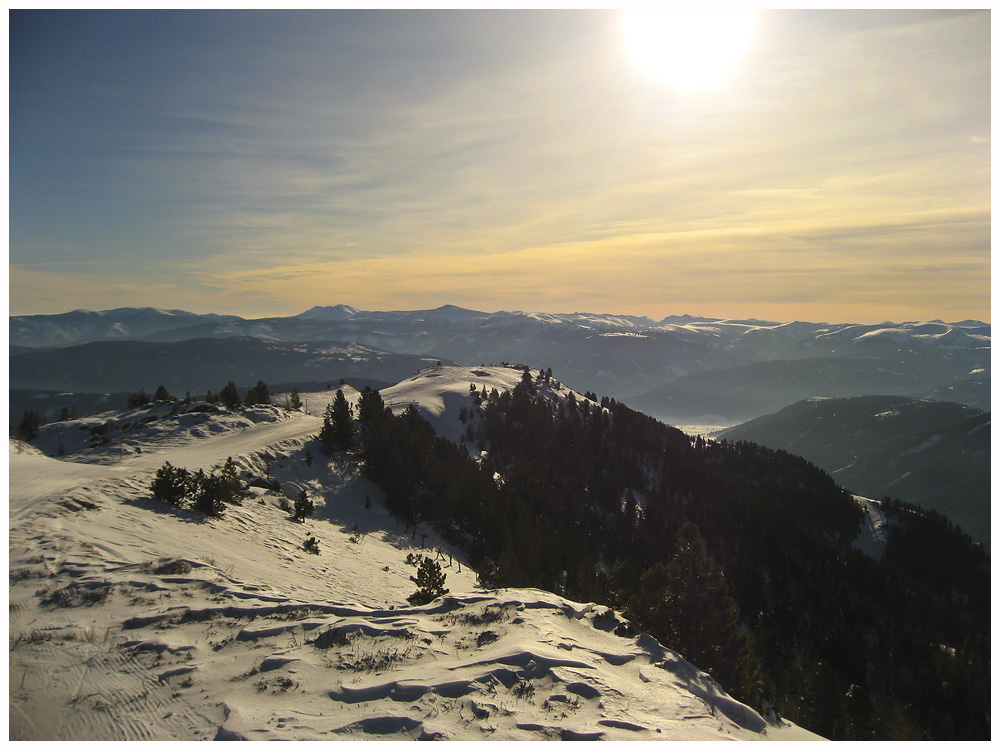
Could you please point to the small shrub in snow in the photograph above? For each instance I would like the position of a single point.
(206, 497)
(75, 596)
(311, 545)
(375, 658)
(523, 689)
(303, 507)
(280, 684)
(208, 493)
(172, 567)
(493, 613)
(171, 485)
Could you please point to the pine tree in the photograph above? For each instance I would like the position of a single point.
(430, 582)
(30, 425)
(687, 605)
(295, 401)
(326, 433)
(303, 507)
(206, 496)
(371, 407)
(259, 394)
(528, 382)
(138, 399)
(338, 430)
(229, 483)
(171, 484)
(212, 492)
(229, 396)
(162, 394)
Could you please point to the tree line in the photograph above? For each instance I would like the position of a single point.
(738, 556)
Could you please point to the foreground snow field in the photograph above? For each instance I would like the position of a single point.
(133, 620)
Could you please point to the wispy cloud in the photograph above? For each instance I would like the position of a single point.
(504, 160)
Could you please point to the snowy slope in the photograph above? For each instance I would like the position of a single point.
(872, 538)
(79, 326)
(439, 393)
(131, 620)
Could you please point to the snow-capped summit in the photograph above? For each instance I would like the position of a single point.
(439, 393)
(336, 312)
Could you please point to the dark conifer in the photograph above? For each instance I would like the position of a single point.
(430, 582)
(303, 506)
(171, 485)
(687, 605)
(371, 407)
(259, 394)
(338, 430)
(30, 425)
(138, 399)
(229, 396)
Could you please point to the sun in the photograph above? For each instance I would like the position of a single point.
(689, 50)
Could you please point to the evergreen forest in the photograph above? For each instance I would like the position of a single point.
(739, 557)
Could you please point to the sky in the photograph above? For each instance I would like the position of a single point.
(259, 163)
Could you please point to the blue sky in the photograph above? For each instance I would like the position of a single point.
(260, 163)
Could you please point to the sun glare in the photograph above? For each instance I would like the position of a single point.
(689, 50)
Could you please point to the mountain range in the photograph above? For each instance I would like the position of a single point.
(681, 369)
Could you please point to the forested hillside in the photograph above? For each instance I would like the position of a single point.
(738, 556)
(935, 454)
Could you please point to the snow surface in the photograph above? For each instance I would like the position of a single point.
(439, 393)
(132, 620)
(872, 538)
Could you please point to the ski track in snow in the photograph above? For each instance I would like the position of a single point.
(131, 620)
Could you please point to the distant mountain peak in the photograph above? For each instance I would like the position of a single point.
(335, 312)
(450, 310)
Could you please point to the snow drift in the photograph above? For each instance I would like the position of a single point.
(130, 619)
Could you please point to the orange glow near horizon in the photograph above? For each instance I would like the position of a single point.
(787, 165)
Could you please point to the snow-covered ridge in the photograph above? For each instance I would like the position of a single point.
(85, 325)
(337, 312)
(439, 393)
(134, 620)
